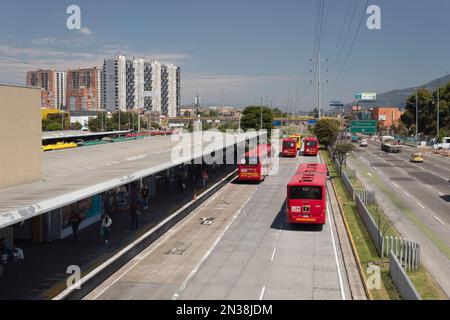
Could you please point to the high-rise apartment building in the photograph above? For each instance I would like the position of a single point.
(115, 83)
(84, 89)
(135, 83)
(53, 87)
(152, 86)
(139, 84)
(170, 95)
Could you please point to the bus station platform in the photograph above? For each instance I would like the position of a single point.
(34, 217)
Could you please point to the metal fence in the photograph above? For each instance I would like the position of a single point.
(366, 196)
(401, 280)
(407, 252)
(403, 254)
(370, 224)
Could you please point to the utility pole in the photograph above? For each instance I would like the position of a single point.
(319, 83)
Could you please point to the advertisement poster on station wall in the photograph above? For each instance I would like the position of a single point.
(89, 210)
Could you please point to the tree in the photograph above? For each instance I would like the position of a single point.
(340, 151)
(251, 118)
(53, 126)
(76, 126)
(327, 130)
(427, 109)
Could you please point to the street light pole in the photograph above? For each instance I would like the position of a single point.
(437, 136)
(417, 116)
(261, 114)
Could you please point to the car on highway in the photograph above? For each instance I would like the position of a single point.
(416, 157)
(363, 143)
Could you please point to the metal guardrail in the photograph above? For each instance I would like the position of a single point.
(401, 280)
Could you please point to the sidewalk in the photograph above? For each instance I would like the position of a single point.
(434, 260)
(43, 272)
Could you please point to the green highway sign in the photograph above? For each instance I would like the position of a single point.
(367, 127)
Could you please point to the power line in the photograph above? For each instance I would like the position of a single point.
(347, 14)
(341, 50)
(353, 42)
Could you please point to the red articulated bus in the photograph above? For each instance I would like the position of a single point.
(289, 147)
(312, 167)
(311, 146)
(306, 198)
(255, 164)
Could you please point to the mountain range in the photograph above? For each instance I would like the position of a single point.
(398, 97)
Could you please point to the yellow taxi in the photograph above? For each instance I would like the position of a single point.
(416, 157)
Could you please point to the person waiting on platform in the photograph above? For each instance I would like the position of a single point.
(8, 255)
(145, 195)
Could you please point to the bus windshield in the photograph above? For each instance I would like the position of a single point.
(250, 160)
(311, 143)
(288, 144)
(306, 193)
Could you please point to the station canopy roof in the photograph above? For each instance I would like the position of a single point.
(75, 174)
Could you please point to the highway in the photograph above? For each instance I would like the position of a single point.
(426, 185)
(416, 197)
(244, 251)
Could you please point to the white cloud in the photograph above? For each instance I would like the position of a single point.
(85, 31)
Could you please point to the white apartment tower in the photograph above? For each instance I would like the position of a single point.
(152, 86)
(140, 84)
(115, 83)
(60, 89)
(170, 95)
(135, 83)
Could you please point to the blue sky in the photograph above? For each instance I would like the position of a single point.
(250, 48)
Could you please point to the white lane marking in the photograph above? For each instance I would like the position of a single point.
(197, 267)
(420, 205)
(139, 258)
(407, 194)
(369, 174)
(395, 185)
(273, 254)
(439, 220)
(263, 290)
(341, 286)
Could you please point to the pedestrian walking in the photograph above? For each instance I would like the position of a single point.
(106, 227)
(134, 210)
(74, 222)
(145, 193)
(205, 177)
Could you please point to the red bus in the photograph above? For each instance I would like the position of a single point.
(255, 164)
(306, 199)
(289, 147)
(312, 167)
(311, 146)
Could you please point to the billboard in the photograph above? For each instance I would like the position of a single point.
(366, 96)
(312, 122)
(336, 103)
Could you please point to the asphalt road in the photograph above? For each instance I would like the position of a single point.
(415, 197)
(425, 185)
(247, 252)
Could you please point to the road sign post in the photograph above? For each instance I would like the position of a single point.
(365, 127)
